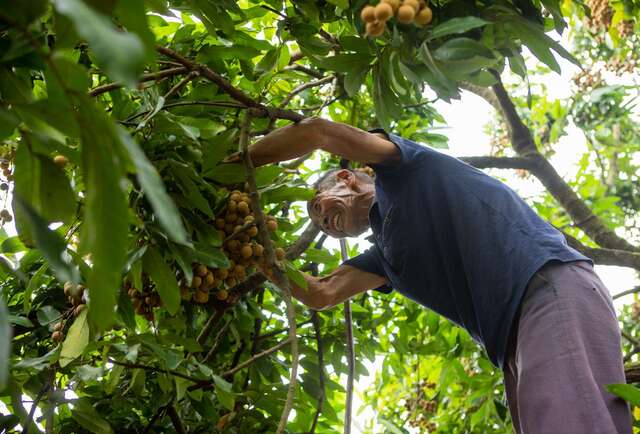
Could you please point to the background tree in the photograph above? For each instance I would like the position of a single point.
(132, 293)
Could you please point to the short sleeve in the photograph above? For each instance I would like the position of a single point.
(411, 153)
(370, 262)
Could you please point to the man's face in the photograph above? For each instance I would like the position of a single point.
(342, 210)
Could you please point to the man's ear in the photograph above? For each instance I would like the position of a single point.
(346, 176)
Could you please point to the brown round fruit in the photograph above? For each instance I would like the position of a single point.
(235, 196)
(230, 282)
(79, 308)
(228, 228)
(280, 253)
(201, 296)
(415, 4)
(250, 218)
(208, 280)
(220, 223)
(196, 282)
(384, 11)
(252, 231)
(202, 270)
(222, 273)
(222, 295)
(406, 13)
(258, 250)
(59, 326)
(233, 245)
(368, 14)
(243, 208)
(272, 225)
(424, 17)
(395, 4)
(375, 29)
(232, 206)
(60, 160)
(246, 251)
(231, 217)
(57, 336)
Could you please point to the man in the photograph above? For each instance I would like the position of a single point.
(465, 245)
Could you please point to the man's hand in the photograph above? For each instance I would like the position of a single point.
(296, 140)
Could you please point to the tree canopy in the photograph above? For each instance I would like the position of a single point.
(131, 255)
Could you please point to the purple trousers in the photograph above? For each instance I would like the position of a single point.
(563, 351)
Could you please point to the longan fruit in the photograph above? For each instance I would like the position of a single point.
(228, 228)
(59, 326)
(368, 14)
(79, 308)
(383, 12)
(272, 225)
(375, 29)
(201, 296)
(243, 208)
(415, 4)
(424, 17)
(209, 279)
(237, 228)
(222, 295)
(233, 245)
(60, 160)
(240, 221)
(196, 282)
(232, 206)
(258, 250)
(57, 336)
(235, 196)
(406, 13)
(395, 4)
(246, 251)
(244, 238)
(230, 282)
(280, 253)
(222, 273)
(250, 218)
(252, 231)
(220, 223)
(231, 217)
(202, 270)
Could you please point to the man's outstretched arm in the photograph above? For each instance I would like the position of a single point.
(342, 284)
(348, 142)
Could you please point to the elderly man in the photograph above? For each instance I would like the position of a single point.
(465, 245)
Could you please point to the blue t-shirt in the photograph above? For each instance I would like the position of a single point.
(457, 241)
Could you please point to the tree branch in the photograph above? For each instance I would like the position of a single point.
(621, 258)
(163, 73)
(253, 359)
(175, 420)
(304, 87)
(282, 279)
(351, 357)
(235, 93)
(316, 327)
(499, 162)
(525, 146)
(627, 292)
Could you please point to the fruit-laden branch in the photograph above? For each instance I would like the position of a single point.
(163, 73)
(351, 356)
(524, 145)
(621, 258)
(271, 265)
(260, 110)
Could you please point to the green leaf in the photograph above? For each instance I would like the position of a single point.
(132, 14)
(223, 392)
(268, 61)
(76, 341)
(154, 190)
(5, 344)
(294, 275)
(627, 392)
(456, 25)
(52, 246)
(120, 54)
(87, 416)
(461, 48)
(34, 283)
(164, 278)
(105, 227)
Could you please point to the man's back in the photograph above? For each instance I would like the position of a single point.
(458, 241)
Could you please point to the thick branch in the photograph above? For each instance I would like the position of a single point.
(524, 145)
(620, 258)
(164, 73)
(627, 292)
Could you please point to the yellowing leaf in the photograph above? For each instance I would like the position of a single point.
(76, 341)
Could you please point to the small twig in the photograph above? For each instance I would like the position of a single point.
(210, 325)
(304, 69)
(154, 369)
(283, 281)
(164, 73)
(216, 340)
(627, 292)
(175, 419)
(253, 359)
(305, 86)
(158, 415)
(316, 327)
(351, 360)
(635, 342)
(275, 11)
(182, 83)
(34, 406)
(283, 330)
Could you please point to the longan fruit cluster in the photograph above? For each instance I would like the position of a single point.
(423, 423)
(144, 301)
(5, 165)
(76, 296)
(588, 79)
(405, 12)
(237, 225)
(601, 14)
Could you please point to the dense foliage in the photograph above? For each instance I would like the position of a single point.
(132, 295)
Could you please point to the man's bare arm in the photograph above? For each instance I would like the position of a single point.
(342, 284)
(296, 140)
